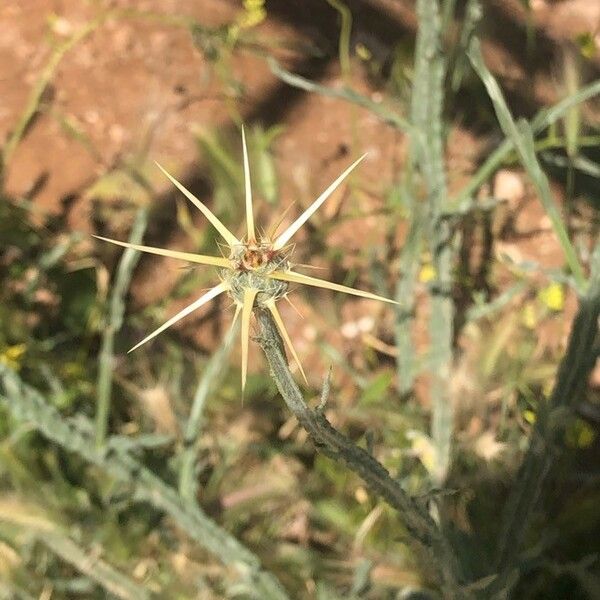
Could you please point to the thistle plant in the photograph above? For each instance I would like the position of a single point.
(257, 271)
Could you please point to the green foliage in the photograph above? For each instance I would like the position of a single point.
(521, 135)
(29, 407)
(112, 325)
(45, 307)
(176, 490)
(428, 143)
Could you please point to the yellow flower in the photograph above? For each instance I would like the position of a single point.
(529, 416)
(553, 296)
(427, 273)
(11, 356)
(254, 13)
(257, 271)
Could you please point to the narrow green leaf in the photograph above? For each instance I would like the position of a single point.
(522, 137)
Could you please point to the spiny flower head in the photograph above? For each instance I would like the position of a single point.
(258, 270)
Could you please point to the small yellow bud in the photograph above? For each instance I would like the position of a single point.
(11, 355)
(553, 296)
(427, 273)
(363, 52)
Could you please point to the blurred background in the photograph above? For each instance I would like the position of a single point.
(91, 94)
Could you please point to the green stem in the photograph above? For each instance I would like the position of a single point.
(115, 320)
(426, 537)
(544, 446)
(521, 135)
(345, 93)
(213, 372)
(410, 261)
(541, 121)
(345, 31)
(112, 581)
(27, 405)
(551, 143)
(428, 146)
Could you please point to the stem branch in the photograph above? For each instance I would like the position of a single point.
(425, 535)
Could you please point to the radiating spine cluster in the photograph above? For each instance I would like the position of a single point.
(256, 272)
